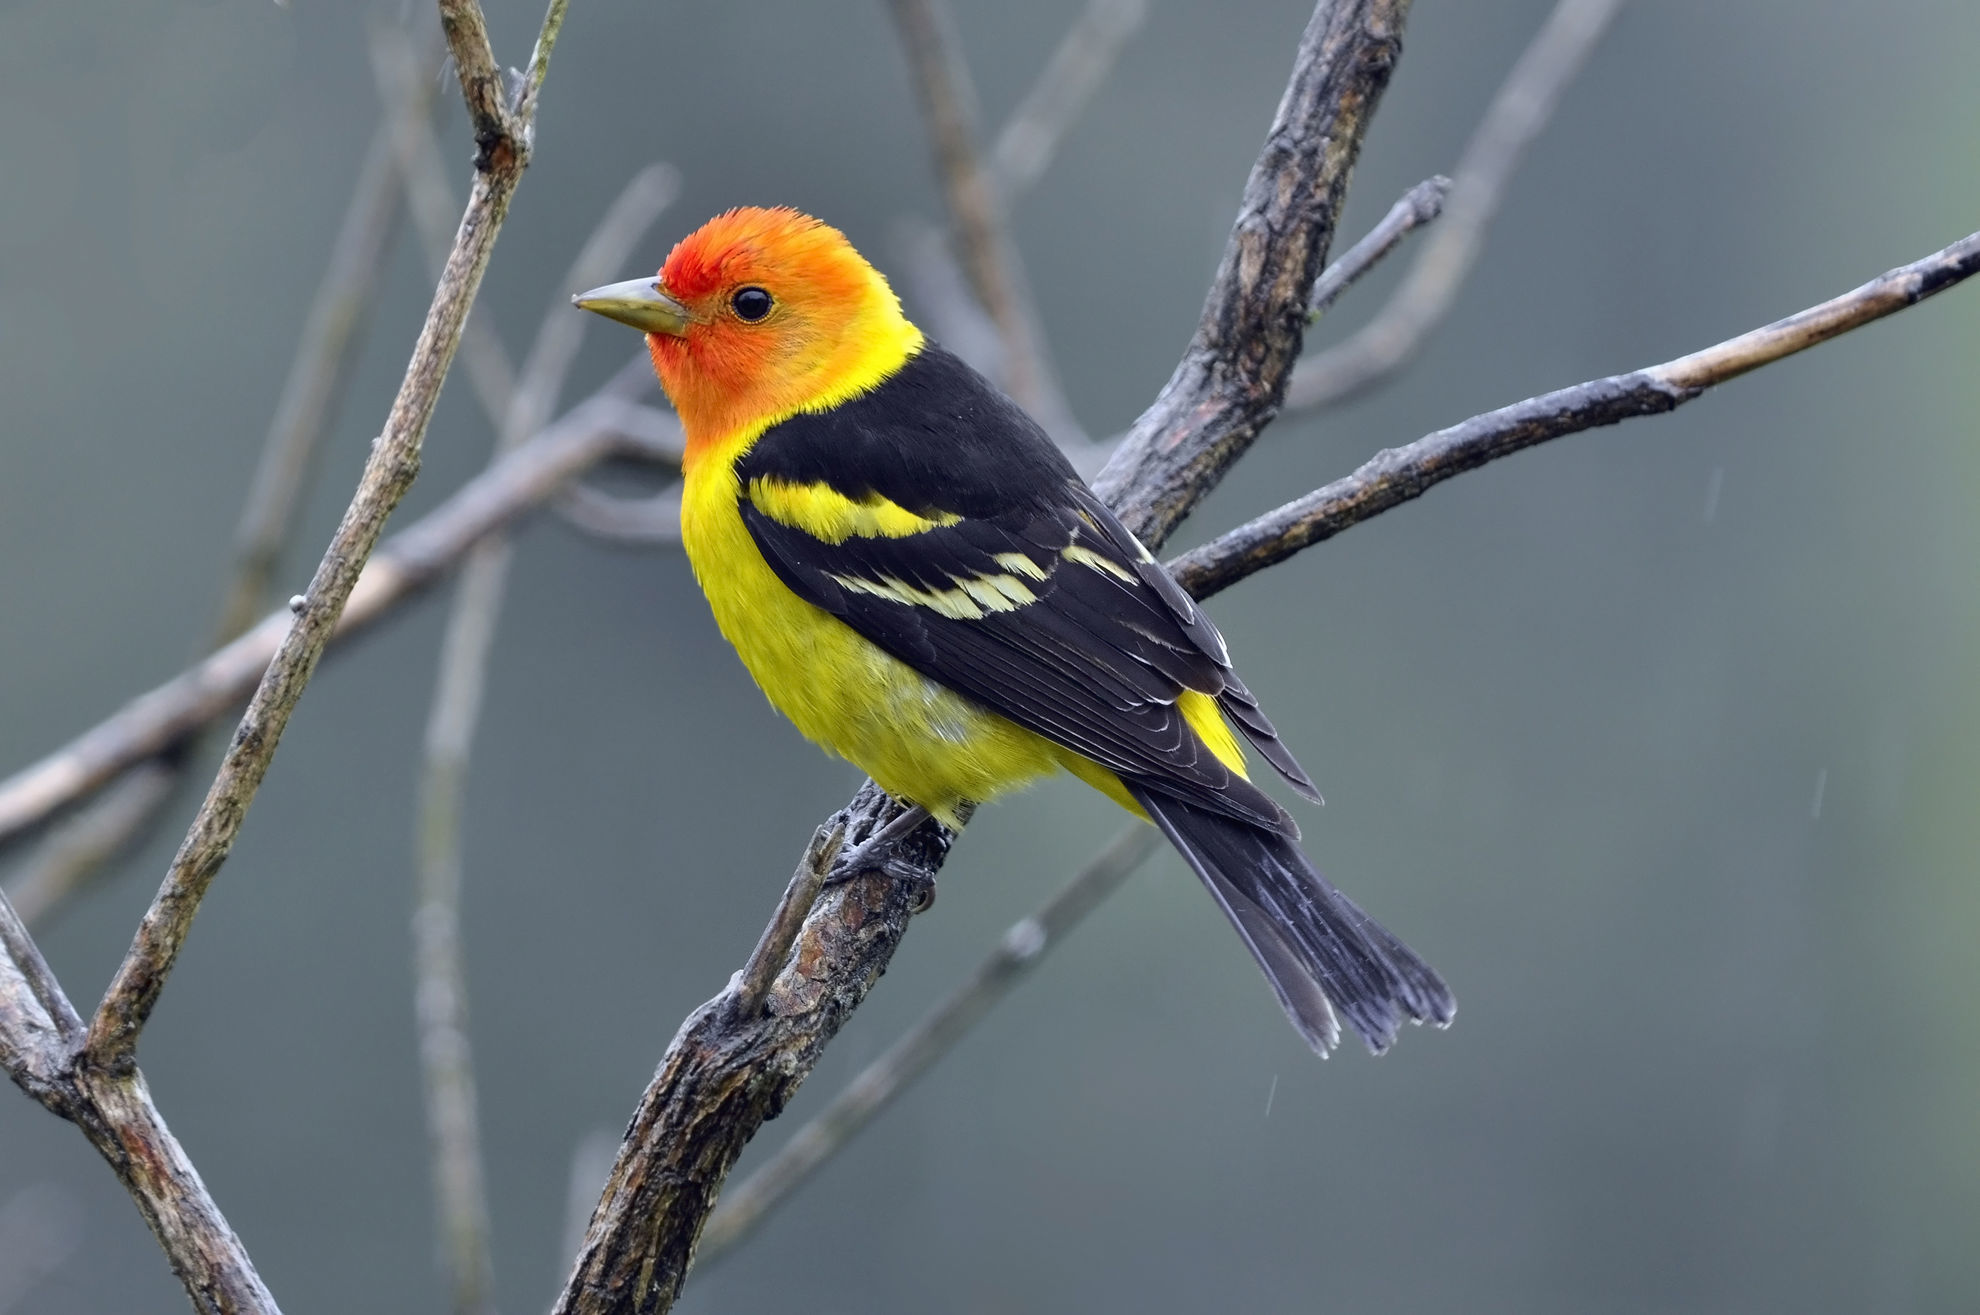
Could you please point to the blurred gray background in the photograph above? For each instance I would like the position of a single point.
(1661, 742)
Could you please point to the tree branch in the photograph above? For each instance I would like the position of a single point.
(727, 1071)
(1020, 950)
(1524, 104)
(1229, 384)
(1403, 474)
(1420, 205)
(41, 1047)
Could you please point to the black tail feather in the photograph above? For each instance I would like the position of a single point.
(1320, 952)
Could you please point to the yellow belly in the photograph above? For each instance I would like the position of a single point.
(918, 740)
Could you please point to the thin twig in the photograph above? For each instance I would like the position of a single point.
(1418, 206)
(605, 425)
(934, 1035)
(1031, 136)
(760, 970)
(984, 247)
(440, 972)
(1402, 474)
(725, 1073)
(388, 473)
(1524, 104)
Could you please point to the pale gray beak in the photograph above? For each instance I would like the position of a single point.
(638, 302)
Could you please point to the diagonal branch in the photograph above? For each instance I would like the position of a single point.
(727, 1070)
(1020, 950)
(1403, 474)
(1420, 205)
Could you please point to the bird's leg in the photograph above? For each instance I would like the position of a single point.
(876, 853)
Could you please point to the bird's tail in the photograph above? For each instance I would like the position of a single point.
(1320, 952)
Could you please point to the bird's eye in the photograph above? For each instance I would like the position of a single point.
(751, 304)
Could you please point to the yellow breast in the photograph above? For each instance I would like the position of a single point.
(920, 741)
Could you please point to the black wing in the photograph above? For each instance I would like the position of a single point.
(1028, 595)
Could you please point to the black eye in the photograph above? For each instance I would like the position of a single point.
(751, 304)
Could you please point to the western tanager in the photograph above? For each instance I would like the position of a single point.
(918, 578)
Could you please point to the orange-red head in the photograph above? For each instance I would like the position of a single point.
(757, 314)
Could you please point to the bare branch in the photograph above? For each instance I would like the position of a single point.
(989, 258)
(1228, 386)
(1400, 475)
(1022, 947)
(1031, 137)
(481, 79)
(41, 1047)
(440, 971)
(726, 1072)
(38, 1025)
(116, 1113)
(1418, 206)
(1522, 108)
(605, 425)
(753, 983)
(388, 473)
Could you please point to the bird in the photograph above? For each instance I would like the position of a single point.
(917, 578)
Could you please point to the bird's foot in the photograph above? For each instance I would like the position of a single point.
(880, 852)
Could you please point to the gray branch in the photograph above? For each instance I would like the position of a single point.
(1403, 474)
(1020, 950)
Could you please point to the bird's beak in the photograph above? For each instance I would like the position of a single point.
(638, 302)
